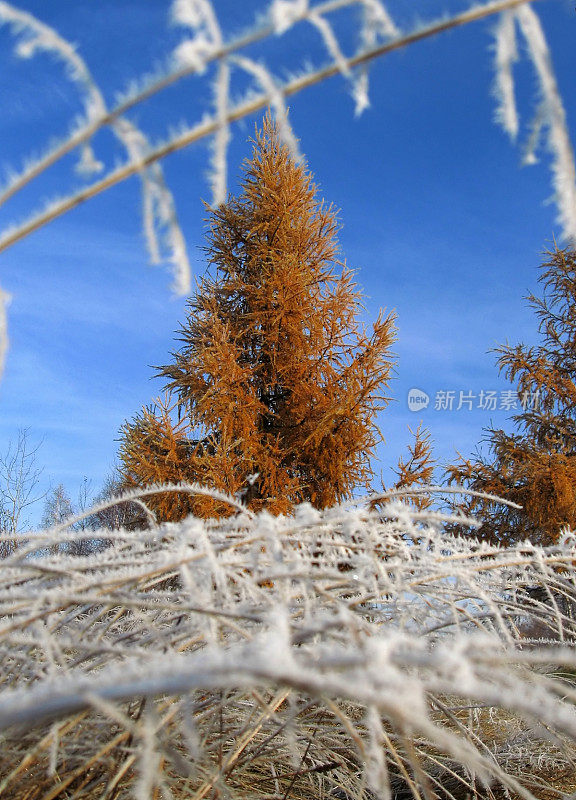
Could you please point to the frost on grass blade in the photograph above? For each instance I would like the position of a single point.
(221, 139)
(88, 164)
(554, 118)
(275, 97)
(532, 143)
(198, 15)
(377, 21)
(194, 54)
(330, 41)
(159, 210)
(158, 203)
(284, 13)
(37, 36)
(4, 342)
(359, 82)
(506, 54)
(377, 24)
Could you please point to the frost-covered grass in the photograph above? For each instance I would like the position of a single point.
(345, 654)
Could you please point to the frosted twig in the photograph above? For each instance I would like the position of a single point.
(323, 26)
(4, 341)
(199, 16)
(285, 13)
(378, 20)
(357, 83)
(426, 489)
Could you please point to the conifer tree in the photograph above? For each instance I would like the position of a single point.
(417, 469)
(535, 466)
(274, 391)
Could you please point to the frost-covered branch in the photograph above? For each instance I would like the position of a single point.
(212, 125)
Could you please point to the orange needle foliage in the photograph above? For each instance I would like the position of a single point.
(274, 390)
(536, 466)
(417, 469)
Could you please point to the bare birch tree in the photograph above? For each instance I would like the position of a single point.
(19, 479)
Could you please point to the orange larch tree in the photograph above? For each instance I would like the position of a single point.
(274, 391)
(534, 467)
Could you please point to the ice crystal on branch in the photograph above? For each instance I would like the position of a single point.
(285, 13)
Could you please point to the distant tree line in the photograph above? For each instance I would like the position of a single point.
(20, 491)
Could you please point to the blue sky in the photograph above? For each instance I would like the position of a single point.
(439, 219)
